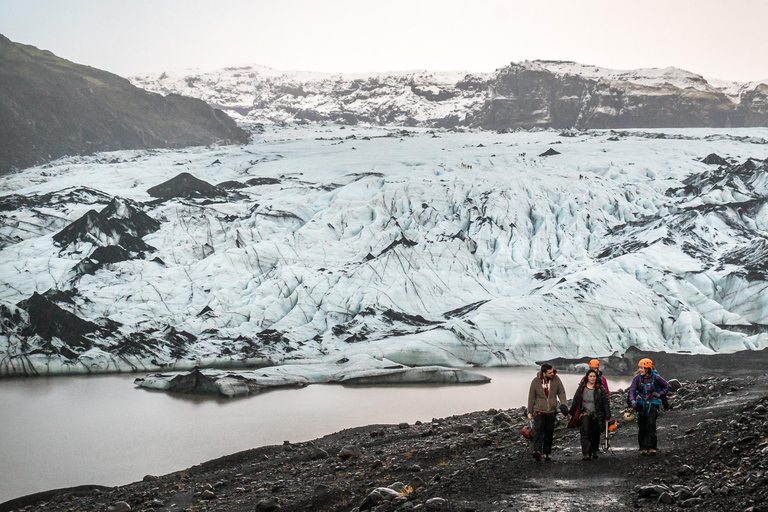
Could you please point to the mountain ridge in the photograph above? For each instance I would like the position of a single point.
(51, 107)
(530, 94)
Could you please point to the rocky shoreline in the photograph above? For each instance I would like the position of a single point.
(713, 453)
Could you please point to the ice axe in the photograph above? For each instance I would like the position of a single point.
(610, 426)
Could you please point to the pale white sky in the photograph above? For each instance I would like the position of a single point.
(722, 39)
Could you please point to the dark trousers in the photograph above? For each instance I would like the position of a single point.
(543, 431)
(589, 428)
(646, 426)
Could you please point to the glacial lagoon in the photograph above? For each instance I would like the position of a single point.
(68, 431)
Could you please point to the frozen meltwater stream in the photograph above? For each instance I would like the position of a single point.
(102, 430)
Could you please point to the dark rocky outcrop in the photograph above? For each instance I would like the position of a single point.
(48, 321)
(120, 223)
(187, 186)
(530, 96)
(51, 107)
(714, 159)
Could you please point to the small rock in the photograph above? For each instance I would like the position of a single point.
(319, 453)
(416, 483)
(465, 429)
(436, 504)
(667, 498)
(403, 426)
(691, 502)
(502, 418)
(398, 487)
(674, 384)
(268, 505)
(377, 495)
(350, 451)
(120, 506)
(208, 495)
(149, 478)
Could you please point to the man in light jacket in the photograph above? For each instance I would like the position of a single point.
(546, 388)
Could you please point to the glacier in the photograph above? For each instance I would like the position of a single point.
(416, 247)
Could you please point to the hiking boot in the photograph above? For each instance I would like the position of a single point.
(547, 458)
(651, 452)
(585, 457)
(643, 452)
(537, 455)
(594, 456)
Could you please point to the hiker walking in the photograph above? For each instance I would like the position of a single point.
(590, 410)
(645, 395)
(546, 388)
(601, 381)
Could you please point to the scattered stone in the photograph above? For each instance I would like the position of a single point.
(268, 505)
(436, 504)
(666, 497)
(377, 495)
(502, 418)
(319, 453)
(350, 451)
(119, 506)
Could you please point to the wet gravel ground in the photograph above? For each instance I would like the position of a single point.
(713, 455)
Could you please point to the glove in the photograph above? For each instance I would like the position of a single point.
(564, 409)
(634, 403)
(655, 395)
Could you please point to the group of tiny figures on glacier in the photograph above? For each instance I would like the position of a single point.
(590, 409)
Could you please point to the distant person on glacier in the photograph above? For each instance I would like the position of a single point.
(545, 391)
(590, 411)
(645, 394)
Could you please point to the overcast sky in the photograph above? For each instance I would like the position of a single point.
(722, 39)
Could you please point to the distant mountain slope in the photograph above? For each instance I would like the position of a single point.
(51, 107)
(529, 94)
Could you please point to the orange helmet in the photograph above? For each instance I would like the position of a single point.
(594, 363)
(645, 363)
(612, 427)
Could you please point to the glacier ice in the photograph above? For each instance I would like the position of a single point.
(419, 247)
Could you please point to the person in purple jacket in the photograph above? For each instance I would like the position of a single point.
(645, 394)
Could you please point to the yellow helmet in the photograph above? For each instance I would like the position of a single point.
(594, 363)
(645, 363)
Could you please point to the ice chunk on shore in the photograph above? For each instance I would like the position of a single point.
(359, 370)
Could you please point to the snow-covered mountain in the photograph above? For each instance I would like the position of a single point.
(527, 94)
(424, 247)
